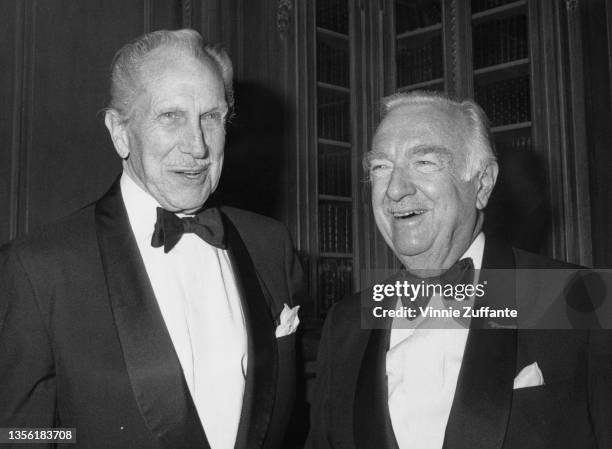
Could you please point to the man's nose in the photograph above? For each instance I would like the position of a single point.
(195, 142)
(400, 185)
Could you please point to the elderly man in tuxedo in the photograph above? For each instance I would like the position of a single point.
(152, 318)
(479, 385)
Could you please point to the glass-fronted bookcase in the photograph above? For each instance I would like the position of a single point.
(419, 46)
(334, 256)
(500, 60)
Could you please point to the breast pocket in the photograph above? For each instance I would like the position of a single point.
(286, 349)
(544, 416)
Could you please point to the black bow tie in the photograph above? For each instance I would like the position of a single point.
(462, 272)
(207, 224)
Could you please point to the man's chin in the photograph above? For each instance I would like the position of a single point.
(412, 248)
(186, 205)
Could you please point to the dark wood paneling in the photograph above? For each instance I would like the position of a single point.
(165, 14)
(597, 64)
(11, 24)
(220, 22)
(257, 156)
(548, 143)
(70, 157)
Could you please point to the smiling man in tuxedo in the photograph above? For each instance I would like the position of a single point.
(153, 318)
(482, 385)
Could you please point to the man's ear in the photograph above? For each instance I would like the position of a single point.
(485, 184)
(118, 131)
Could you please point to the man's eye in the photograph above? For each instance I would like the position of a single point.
(170, 115)
(378, 168)
(426, 164)
(212, 117)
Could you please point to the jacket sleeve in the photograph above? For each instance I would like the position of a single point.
(319, 411)
(600, 386)
(27, 374)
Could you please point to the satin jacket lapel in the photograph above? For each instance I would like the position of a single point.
(481, 406)
(262, 368)
(151, 361)
(371, 418)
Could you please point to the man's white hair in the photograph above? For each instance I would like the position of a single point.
(127, 63)
(481, 151)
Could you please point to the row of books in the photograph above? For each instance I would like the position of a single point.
(335, 227)
(333, 64)
(413, 14)
(335, 172)
(499, 41)
(333, 116)
(333, 15)
(518, 143)
(335, 281)
(418, 64)
(506, 101)
(482, 5)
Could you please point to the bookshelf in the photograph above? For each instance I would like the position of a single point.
(333, 259)
(501, 68)
(419, 48)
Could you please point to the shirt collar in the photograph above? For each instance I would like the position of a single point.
(141, 207)
(476, 251)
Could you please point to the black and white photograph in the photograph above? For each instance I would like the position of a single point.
(306, 224)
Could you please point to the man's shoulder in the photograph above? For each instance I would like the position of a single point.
(526, 259)
(261, 234)
(244, 218)
(498, 253)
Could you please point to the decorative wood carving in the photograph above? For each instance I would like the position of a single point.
(187, 9)
(283, 17)
(453, 42)
(147, 16)
(21, 145)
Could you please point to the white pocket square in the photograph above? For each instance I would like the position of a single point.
(530, 376)
(289, 321)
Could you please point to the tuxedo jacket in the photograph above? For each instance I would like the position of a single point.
(83, 343)
(573, 410)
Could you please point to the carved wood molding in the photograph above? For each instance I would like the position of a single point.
(453, 41)
(147, 16)
(22, 111)
(187, 13)
(284, 13)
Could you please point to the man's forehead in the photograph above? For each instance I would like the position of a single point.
(421, 126)
(411, 151)
(410, 116)
(164, 62)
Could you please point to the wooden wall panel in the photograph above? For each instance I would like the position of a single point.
(598, 93)
(10, 26)
(164, 14)
(259, 36)
(70, 157)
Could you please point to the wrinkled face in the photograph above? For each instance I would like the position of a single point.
(175, 134)
(423, 208)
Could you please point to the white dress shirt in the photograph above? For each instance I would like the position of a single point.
(196, 291)
(422, 371)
